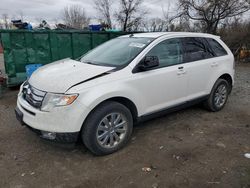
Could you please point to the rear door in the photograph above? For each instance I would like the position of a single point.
(221, 61)
(198, 59)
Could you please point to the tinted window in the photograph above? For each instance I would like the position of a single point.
(168, 52)
(216, 48)
(195, 49)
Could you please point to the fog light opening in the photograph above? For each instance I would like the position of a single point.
(48, 135)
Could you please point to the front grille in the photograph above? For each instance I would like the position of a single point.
(33, 96)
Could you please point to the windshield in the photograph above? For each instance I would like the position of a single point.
(116, 52)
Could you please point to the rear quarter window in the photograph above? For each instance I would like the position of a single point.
(216, 47)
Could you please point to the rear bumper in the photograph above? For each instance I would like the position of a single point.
(71, 137)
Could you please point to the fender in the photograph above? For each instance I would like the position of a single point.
(212, 82)
(96, 95)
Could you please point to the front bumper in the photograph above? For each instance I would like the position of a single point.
(71, 137)
(60, 124)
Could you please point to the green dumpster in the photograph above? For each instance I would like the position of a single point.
(23, 47)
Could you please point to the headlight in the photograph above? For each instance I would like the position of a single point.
(54, 100)
(20, 90)
(21, 87)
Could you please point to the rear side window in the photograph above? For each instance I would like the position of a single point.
(195, 49)
(216, 48)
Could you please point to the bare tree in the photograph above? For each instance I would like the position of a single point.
(211, 12)
(236, 33)
(6, 22)
(130, 14)
(155, 25)
(184, 24)
(75, 16)
(163, 23)
(168, 17)
(104, 9)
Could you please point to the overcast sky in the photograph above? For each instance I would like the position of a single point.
(50, 10)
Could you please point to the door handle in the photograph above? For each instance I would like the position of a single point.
(214, 64)
(181, 71)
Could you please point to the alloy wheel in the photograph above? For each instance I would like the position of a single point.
(111, 130)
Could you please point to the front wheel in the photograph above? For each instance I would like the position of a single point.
(108, 128)
(218, 96)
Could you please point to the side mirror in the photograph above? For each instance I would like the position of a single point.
(148, 62)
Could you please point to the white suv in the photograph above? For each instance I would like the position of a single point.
(124, 81)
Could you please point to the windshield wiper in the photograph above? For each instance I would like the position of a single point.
(99, 64)
(89, 62)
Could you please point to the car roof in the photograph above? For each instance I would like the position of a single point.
(161, 34)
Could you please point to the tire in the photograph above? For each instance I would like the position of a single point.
(109, 120)
(216, 101)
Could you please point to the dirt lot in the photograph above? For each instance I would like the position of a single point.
(190, 148)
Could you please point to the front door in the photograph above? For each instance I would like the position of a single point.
(166, 85)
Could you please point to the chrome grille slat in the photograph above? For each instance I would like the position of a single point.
(32, 102)
(38, 95)
(37, 92)
(33, 96)
(36, 98)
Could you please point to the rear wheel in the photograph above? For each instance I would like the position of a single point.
(218, 96)
(108, 128)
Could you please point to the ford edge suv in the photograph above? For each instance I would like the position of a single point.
(124, 81)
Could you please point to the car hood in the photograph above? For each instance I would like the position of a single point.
(59, 76)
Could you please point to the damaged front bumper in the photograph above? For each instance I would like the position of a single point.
(71, 137)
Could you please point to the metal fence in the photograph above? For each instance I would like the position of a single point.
(21, 47)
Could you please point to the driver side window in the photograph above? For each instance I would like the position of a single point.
(168, 52)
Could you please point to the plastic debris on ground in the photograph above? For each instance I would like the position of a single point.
(247, 155)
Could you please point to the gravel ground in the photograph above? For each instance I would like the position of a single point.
(189, 148)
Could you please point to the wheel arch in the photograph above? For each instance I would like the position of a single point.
(128, 103)
(228, 78)
(122, 100)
